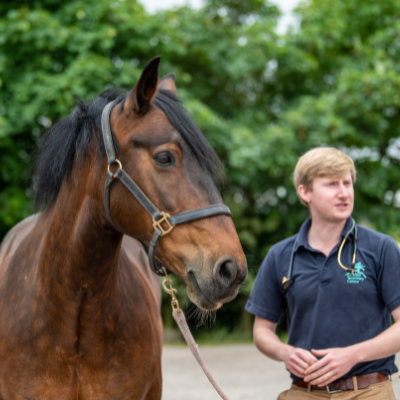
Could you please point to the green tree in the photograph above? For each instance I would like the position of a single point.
(261, 99)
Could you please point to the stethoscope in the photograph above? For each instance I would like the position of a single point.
(288, 281)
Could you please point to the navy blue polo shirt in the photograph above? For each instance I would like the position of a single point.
(327, 306)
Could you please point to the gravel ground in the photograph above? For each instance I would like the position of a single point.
(241, 370)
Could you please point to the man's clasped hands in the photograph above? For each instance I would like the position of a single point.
(332, 365)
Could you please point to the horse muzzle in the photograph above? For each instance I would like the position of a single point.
(209, 291)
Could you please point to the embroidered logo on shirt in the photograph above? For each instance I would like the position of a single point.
(358, 274)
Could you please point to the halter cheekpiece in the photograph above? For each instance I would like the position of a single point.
(159, 217)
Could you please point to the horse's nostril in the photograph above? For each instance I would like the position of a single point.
(225, 272)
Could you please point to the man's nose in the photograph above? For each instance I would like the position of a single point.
(342, 190)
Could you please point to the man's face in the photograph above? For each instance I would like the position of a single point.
(331, 199)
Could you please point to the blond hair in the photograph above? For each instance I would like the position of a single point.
(322, 162)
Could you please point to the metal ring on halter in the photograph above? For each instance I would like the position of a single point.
(115, 161)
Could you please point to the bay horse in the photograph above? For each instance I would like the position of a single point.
(79, 316)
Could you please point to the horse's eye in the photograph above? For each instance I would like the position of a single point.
(164, 159)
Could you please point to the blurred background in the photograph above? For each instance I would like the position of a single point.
(264, 83)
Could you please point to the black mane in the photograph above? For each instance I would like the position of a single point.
(71, 137)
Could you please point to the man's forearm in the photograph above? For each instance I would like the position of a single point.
(296, 360)
(270, 345)
(338, 361)
(384, 345)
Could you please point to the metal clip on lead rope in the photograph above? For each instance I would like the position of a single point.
(171, 291)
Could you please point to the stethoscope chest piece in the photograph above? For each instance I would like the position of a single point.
(286, 283)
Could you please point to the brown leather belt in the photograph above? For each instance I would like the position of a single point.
(363, 381)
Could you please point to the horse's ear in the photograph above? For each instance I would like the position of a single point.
(140, 98)
(168, 83)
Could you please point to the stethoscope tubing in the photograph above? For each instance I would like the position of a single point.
(288, 280)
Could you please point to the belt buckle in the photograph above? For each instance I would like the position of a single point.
(333, 391)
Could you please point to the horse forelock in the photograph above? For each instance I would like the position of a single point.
(72, 138)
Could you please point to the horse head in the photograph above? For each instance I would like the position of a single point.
(169, 159)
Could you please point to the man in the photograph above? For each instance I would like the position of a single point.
(340, 333)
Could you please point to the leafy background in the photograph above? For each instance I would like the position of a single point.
(262, 100)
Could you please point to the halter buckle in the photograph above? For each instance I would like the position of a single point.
(164, 218)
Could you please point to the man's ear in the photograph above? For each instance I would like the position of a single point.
(167, 83)
(304, 193)
(140, 98)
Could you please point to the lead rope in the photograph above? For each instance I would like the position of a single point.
(179, 317)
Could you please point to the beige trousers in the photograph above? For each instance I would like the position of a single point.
(375, 391)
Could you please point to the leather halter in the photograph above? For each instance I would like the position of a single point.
(158, 217)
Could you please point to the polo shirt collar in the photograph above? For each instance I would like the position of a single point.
(303, 233)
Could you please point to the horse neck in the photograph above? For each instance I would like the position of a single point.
(79, 252)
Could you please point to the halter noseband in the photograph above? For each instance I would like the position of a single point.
(158, 216)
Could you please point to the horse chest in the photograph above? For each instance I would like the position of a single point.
(108, 353)
(124, 361)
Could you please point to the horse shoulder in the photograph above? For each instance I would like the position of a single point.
(13, 239)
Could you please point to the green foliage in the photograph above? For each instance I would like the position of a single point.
(262, 100)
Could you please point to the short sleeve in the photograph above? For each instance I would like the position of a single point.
(266, 300)
(389, 277)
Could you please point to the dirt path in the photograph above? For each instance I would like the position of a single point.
(243, 372)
